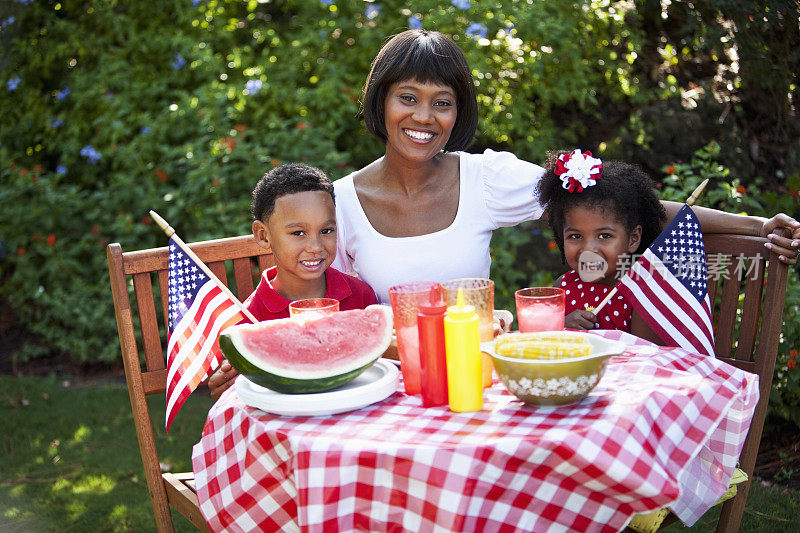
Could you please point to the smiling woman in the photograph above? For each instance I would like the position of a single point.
(426, 209)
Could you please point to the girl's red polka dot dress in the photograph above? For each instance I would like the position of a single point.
(616, 314)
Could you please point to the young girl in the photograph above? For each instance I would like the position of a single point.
(603, 215)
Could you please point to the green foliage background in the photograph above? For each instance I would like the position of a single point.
(110, 109)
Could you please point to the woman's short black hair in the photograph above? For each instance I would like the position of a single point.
(623, 189)
(425, 56)
(289, 178)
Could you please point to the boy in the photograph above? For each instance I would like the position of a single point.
(295, 219)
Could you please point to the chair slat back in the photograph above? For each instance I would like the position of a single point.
(739, 281)
(148, 270)
(142, 277)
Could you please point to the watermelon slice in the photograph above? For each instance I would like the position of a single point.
(309, 353)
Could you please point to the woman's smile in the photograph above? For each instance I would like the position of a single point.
(419, 136)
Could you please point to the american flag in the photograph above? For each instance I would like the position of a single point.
(198, 311)
(667, 286)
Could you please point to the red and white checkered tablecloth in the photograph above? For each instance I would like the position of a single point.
(664, 427)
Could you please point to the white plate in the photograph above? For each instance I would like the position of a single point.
(376, 383)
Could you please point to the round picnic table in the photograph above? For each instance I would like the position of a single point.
(664, 427)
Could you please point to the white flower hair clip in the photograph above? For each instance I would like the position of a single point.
(578, 170)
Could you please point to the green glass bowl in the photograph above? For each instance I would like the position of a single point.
(545, 382)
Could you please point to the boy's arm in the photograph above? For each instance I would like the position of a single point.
(223, 377)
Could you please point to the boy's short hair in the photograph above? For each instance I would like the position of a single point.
(425, 56)
(289, 178)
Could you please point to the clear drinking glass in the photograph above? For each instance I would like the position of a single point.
(323, 306)
(540, 309)
(479, 293)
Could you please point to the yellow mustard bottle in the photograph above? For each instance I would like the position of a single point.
(462, 348)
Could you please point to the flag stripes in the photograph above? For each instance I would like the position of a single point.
(198, 311)
(659, 302)
(668, 287)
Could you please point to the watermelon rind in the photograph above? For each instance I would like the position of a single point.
(253, 368)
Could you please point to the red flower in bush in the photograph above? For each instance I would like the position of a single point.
(95, 229)
(147, 221)
(790, 364)
(51, 240)
(740, 189)
(792, 353)
(23, 172)
(302, 125)
(671, 169)
(229, 143)
(240, 127)
(21, 252)
(794, 193)
(275, 163)
(162, 176)
(551, 245)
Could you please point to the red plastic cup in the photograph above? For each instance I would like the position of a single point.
(406, 299)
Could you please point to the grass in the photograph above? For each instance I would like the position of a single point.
(69, 458)
(69, 461)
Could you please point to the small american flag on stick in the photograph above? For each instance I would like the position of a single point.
(199, 308)
(667, 286)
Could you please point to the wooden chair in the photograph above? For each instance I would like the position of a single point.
(748, 284)
(138, 274)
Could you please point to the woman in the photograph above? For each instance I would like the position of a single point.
(426, 210)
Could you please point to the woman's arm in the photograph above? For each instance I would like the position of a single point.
(714, 221)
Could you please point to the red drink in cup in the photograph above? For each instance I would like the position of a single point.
(540, 309)
(406, 299)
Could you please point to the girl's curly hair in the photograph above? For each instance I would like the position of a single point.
(624, 189)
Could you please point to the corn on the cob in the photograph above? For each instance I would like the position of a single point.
(563, 337)
(545, 350)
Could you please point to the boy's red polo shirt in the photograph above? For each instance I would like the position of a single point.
(268, 304)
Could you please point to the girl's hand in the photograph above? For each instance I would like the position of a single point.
(580, 319)
(502, 321)
(221, 379)
(787, 247)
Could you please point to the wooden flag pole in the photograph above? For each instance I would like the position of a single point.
(170, 231)
(697, 192)
(690, 201)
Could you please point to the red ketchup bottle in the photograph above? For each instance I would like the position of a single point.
(433, 363)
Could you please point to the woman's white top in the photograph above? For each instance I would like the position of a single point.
(496, 190)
